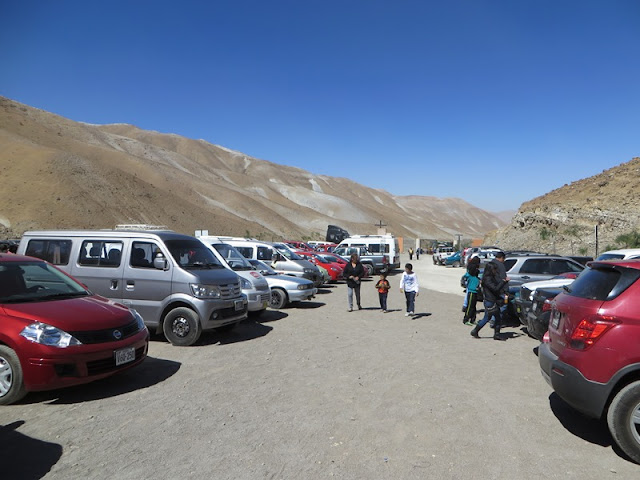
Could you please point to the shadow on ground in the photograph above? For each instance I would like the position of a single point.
(24, 457)
(150, 372)
(241, 332)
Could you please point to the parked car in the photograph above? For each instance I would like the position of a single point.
(334, 270)
(538, 315)
(385, 245)
(174, 281)
(454, 260)
(441, 254)
(285, 289)
(300, 245)
(524, 299)
(592, 359)
(624, 254)
(372, 263)
(253, 285)
(533, 267)
(55, 333)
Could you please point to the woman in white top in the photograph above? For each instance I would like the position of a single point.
(409, 285)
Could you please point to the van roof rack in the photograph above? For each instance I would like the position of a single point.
(140, 226)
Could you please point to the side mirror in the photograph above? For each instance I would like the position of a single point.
(160, 262)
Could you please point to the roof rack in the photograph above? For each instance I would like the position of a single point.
(140, 226)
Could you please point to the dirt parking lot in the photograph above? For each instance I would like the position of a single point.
(316, 392)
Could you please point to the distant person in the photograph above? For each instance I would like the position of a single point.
(411, 254)
(473, 289)
(353, 272)
(418, 253)
(492, 286)
(383, 290)
(409, 285)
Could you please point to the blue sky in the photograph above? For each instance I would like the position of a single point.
(492, 101)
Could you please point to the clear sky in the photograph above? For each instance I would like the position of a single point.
(493, 101)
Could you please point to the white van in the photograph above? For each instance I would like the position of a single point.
(377, 244)
(174, 281)
(254, 285)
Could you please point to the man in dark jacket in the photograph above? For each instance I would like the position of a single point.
(498, 262)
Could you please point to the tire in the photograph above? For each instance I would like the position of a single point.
(11, 384)
(278, 298)
(623, 419)
(182, 327)
(369, 269)
(456, 264)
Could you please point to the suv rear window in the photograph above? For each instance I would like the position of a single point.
(603, 283)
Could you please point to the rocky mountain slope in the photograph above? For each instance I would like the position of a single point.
(564, 219)
(58, 173)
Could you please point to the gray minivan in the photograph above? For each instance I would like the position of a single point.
(174, 281)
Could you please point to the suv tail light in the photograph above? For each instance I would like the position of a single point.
(590, 330)
(546, 306)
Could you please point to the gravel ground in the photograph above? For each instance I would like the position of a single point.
(316, 392)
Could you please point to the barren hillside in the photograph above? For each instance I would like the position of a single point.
(58, 173)
(564, 219)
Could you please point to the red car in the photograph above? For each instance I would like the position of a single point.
(55, 333)
(335, 269)
(591, 357)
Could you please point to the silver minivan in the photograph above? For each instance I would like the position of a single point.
(254, 285)
(174, 281)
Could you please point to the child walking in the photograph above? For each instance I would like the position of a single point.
(473, 288)
(383, 289)
(409, 285)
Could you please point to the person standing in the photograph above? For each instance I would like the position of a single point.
(383, 290)
(353, 272)
(473, 286)
(418, 253)
(410, 253)
(409, 285)
(492, 286)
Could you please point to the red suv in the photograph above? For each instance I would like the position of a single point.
(592, 358)
(55, 333)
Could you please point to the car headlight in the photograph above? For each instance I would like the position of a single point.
(47, 335)
(302, 287)
(309, 270)
(206, 291)
(244, 283)
(138, 318)
(334, 269)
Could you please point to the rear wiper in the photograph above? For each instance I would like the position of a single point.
(566, 288)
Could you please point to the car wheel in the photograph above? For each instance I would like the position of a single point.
(278, 298)
(182, 327)
(369, 269)
(623, 419)
(456, 264)
(11, 385)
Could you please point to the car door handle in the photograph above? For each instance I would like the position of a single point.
(130, 285)
(114, 284)
(525, 277)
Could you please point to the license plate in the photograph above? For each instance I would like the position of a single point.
(265, 304)
(125, 355)
(555, 319)
(239, 304)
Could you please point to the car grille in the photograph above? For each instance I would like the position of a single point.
(228, 312)
(265, 297)
(105, 365)
(231, 290)
(106, 335)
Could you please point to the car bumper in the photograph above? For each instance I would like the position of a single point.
(225, 313)
(586, 396)
(299, 295)
(258, 300)
(48, 368)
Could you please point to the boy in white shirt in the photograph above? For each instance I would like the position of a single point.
(409, 285)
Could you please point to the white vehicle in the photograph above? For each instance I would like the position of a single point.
(254, 286)
(624, 254)
(377, 245)
(441, 254)
(285, 289)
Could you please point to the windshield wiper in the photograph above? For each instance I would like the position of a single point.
(202, 265)
(61, 295)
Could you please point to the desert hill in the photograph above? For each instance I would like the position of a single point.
(564, 219)
(59, 173)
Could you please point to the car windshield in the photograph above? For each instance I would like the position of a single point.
(610, 256)
(192, 254)
(282, 249)
(232, 256)
(328, 259)
(263, 267)
(35, 282)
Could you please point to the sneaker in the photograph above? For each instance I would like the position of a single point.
(410, 313)
(359, 307)
(406, 314)
(468, 323)
(350, 310)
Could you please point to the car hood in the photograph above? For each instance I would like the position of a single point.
(286, 281)
(72, 314)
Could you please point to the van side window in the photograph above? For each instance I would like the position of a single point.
(53, 251)
(264, 253)
(142, 254)
(247, 252)
(100, 253)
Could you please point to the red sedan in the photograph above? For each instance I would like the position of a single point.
(334, 269)
(55, 333)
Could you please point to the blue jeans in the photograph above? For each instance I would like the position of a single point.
(495, 312)
(411, 301)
